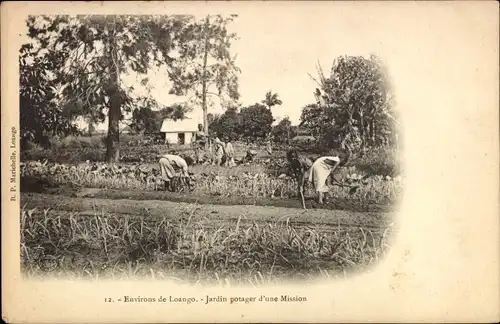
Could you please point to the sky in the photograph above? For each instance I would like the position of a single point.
(426, 46)
(276, 56)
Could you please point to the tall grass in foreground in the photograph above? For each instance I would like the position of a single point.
(65, 245)
(214, 181)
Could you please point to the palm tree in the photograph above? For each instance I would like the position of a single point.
(271, 100)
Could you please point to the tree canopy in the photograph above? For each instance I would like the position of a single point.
(256, 121)
(271, 100)
(354, 104)
(205, 70)
(85, 57)
(147, 120)
(249, 123)
(75, 67)
(226, 124)
(40, 112)
(284, 131)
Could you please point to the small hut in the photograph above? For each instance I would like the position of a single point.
(180, 131)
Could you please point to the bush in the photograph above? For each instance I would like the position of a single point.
(78, 142)
(380, 161)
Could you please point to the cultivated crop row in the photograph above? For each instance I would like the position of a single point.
(218, 182)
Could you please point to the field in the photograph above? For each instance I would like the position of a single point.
(241, 225)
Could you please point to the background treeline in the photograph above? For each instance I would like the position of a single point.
(74, 67)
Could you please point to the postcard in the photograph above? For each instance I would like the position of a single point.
(245, 161)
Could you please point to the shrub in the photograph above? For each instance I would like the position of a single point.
(379, 161)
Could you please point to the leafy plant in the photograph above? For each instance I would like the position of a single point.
(271, 100)
(256, 121)
(354, 104)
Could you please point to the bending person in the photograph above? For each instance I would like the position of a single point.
(172, 165)
(219, 152)
(319, 173)
(300, 165)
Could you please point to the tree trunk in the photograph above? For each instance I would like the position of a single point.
(362, 130)
(373, 132)
(113, 140)
(91, 128)
(204, 83)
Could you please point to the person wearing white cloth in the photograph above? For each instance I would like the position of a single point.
(319, 172)
(170, 166)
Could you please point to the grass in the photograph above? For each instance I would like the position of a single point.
(102, 246)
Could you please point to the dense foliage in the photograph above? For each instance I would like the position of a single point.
(226, 124)
(271, 100)
(284, 132)
(80, 62)
(149, 121)
(75, 65)
(41, 116)
(355, 105)
(256, 121)
(250, 123)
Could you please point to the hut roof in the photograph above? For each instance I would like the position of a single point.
(179, 126)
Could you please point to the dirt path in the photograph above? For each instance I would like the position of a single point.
(211, 212)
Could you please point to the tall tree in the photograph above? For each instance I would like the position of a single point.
(95, 52)
(256, 121)
(283, 132)
(205, 69)
(271, 100)
(40, 113)
(354, 103)
(147, 120)
(227, 124)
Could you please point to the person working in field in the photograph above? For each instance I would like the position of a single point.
(317, 173)
(320, 171)
(200, 143)
(251, 154)
(229, 153)
(300, 165)
(218, 152)
(172, 165)
(269, 145)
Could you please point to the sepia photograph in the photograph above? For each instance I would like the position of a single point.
(147, 151)
(272, 147)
